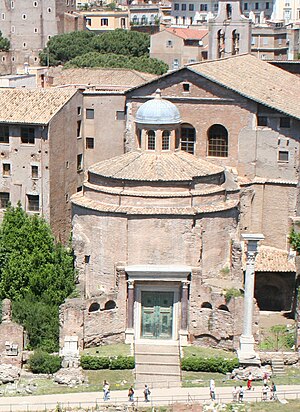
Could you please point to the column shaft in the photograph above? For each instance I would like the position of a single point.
(130, 304)
(184, 306)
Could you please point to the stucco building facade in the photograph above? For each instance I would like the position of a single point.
(29, 25)
(39, 153)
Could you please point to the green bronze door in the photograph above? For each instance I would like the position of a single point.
(157, 315)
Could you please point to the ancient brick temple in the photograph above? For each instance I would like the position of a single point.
(157, 230)
(149, 226)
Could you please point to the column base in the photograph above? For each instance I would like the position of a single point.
(129, 336)
(183, 338)
(246, 353)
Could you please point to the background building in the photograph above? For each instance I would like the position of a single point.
(39, 159)
(29, 25)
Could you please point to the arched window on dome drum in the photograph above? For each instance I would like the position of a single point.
(165, 140)
(217, 141)
(151, 140)
(139, 137)
(187, 138)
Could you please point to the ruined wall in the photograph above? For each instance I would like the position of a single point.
(99, 320)
(215, 322)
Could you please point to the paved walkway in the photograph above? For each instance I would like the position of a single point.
(158, 397)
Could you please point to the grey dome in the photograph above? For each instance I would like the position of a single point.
(158, 111)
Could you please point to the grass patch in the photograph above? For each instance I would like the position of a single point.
(201, 379)
(108, 350)
(118, 379)
(207, 352)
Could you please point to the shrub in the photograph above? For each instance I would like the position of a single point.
(94, 362)
(198, 364)
(232, 293)
(122, 362)
(43, 362)
(105, 362)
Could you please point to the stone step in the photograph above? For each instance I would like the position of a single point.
(156, 358)
(161, 349)
(155, 380)
(157, 365)
(159, 369)
(278, 366)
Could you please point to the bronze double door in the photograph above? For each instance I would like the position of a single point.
(157, 315)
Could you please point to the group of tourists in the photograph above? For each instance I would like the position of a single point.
(106, 392)
(268, 391)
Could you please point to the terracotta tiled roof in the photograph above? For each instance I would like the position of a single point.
(82, 201)
(256, 80)
(121, 78)
(33, 106)
(188, 34)
(156, 194)
(138, 165)
(271, 259)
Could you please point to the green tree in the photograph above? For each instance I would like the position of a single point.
(294, 239)
(125, 42)
(64, 47)
(4, 43)
(36, 273)
(143, 64)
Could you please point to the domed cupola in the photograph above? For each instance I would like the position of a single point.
(158, 111)
(157, 125)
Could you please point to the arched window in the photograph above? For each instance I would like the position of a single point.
(139, 137)
(110, 304)
(235, 42)
(228, 11)
(165, 140)
(144, 19)
(206, 305)
(151, 140)
(187, 138)
(94, 307)
(217, 141)
(223, 307)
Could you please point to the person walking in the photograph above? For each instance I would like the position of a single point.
(265, 390)
(131, 394)
(106, 391)
(146, 393)
(212, 390)
(249, 381)
(234, 394)
(273, 390)
(241, 393)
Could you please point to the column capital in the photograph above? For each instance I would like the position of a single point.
(251, 257)
(185, 284)
(130, 284)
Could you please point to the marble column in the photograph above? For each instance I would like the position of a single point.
(183, 333)
(129, 333)
(246, 353)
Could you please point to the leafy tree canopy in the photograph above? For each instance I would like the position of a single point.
(4, 43)
(64, 47)
(125, 42)
(36, 273)
(142, 64)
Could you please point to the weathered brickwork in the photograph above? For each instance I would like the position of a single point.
(131, 223)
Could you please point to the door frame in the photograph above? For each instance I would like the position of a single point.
(138, 310)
